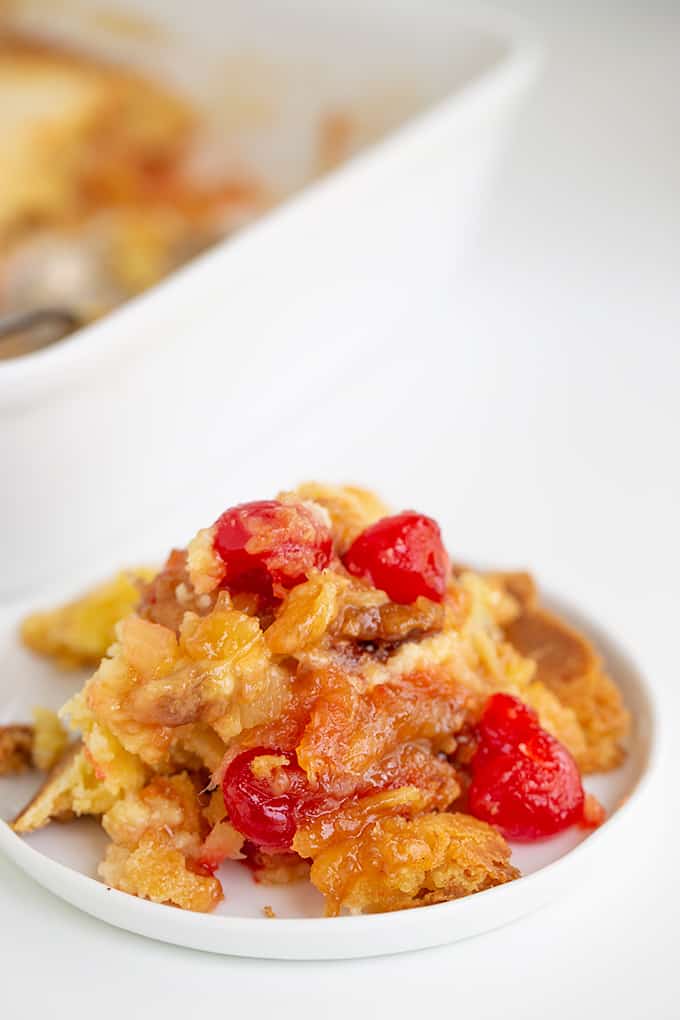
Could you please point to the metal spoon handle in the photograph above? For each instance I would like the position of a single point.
(21, 327)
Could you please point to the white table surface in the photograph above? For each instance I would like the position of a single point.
(574, 280)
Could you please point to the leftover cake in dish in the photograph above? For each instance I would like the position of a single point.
(104, 182)
(311, 688)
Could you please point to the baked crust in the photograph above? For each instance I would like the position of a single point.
(397, 863)
(569, 667)
(38, 746)
(16, 748)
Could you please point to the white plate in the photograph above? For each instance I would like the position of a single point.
(64, 858)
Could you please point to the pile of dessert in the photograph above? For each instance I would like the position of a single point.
(312, 689)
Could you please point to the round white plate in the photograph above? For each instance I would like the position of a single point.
(64, 858)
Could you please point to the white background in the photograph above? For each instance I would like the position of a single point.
(573, 283)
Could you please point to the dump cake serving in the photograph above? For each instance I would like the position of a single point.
(313, 689)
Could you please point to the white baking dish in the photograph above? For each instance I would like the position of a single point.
(121, 421)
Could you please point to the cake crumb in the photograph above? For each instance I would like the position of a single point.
(268, 911)
(16, 749)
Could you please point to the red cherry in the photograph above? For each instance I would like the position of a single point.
(524, 781)
(264, 815)
(403, 556)
(506, 721)
(268, 810)
(268, 547)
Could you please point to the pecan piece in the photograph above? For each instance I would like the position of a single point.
(390, 623)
